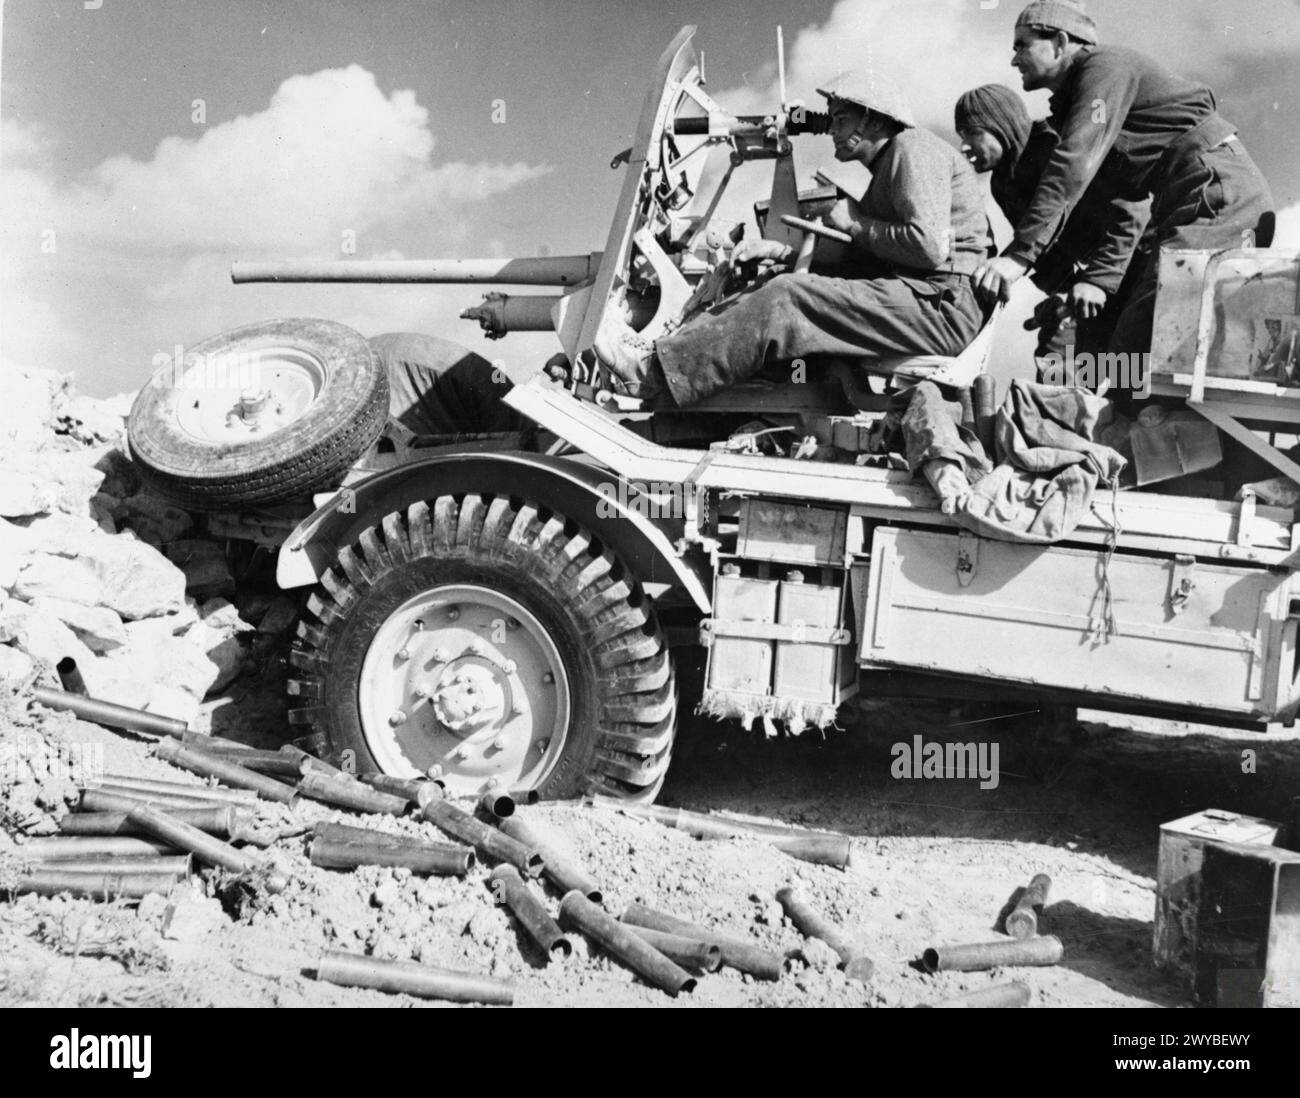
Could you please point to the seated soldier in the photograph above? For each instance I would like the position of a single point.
(919, 232)
(1083, 270)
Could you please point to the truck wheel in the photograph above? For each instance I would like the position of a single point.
(484, 639)
(259, 415)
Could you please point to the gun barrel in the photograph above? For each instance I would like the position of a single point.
(554, 270)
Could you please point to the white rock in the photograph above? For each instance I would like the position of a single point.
(60, 534)
(222, 635)
(11, 563)
(44, 637)
(26, 413)
(167, 701)
(153, 655)
(23, 493)
(65, 578)
(76, 477)
(15, 666)
(90, 420)
(99, 628)
(137, 580)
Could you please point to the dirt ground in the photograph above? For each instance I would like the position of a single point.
(934, 862)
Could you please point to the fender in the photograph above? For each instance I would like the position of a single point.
(580, 492)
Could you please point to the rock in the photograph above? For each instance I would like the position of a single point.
(15, 666)
(98, 628)
(90, 421)
(168, 701)
(59, 534)
(121, 480)
(386, 895)
(138, 581)
(11, 563)
(152, 657)
(23, 493)
(76, 477)
(207, 573)
(222, 635)
(485, 927)
(65, 578)
(26, 413)
(191, 917)
(818, 956)
(48, 639)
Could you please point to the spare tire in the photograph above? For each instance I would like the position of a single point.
(259, 415)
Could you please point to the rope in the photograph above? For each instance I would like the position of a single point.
(1105, 626)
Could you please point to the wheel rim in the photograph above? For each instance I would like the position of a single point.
(239, 397)
(464, 683)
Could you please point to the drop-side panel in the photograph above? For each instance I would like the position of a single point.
(1037, 615)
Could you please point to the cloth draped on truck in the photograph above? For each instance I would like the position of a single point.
(1048, 463)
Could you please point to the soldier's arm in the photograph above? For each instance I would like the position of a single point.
(1104, 90)
(920, 232)
(1105, 265)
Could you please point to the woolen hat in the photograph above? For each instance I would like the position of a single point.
(998, 109)
(1061, 15)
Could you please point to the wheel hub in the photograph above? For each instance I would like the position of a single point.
(240, 396)
(464, 679)
(468, 699)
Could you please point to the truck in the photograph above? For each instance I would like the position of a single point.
(514, 607)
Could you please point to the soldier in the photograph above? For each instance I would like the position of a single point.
(919, 233)
(997, 136)
(1126, 117)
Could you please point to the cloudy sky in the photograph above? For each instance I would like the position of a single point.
(146, 144)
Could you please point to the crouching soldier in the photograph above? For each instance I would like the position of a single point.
(1083, 270)
(919, 232)
(1125, 117)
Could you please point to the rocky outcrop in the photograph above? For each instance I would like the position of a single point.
(96, 569)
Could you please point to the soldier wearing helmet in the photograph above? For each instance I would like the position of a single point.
(919, 233)
(1126, 118)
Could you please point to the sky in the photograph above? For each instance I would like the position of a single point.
(144, 144)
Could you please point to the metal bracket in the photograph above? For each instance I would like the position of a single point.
(968, 557)
(1246, 516)
(796, 633)
(1182, 582)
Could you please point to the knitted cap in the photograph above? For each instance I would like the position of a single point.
(872, 90)
(1062, 15)
(998, 109)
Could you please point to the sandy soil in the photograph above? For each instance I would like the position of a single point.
(934, 862)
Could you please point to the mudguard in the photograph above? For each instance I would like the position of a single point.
(588, 495)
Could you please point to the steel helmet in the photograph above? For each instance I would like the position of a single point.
(868, 88)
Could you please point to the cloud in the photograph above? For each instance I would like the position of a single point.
(141, 248)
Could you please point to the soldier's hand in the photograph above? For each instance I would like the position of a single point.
(1086, 300)
(1049, 312)
(843, 215)
(755, 251)
(994, 280)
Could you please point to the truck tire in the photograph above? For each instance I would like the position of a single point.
(261, 414)
(492, 640)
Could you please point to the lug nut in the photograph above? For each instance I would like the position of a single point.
(543, 746)
(462, 752)
(453, 613)
(440, 655)
(398, 717)
(548, 677)
(421, 691)
(417, 625)
(404, 654)
(511, 623)
(499, 744)
(509, 667)
(434, 772)
(475, 648)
